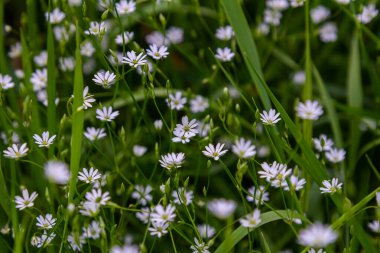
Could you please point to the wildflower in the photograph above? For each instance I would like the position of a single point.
(317, 235)
(157, 38)
(199, 247)
(275, 173)
(26, 200)
(6, 82)
(96, 196)
(206, 231)
(76, 242)
(47, 222)
(299, 77)
(224, 33)
(374, 226)
(251, 220)
(319, 14)
(39, 79)
(92, 230)
(15, 50)
(158, 124)
(16, 151)
(87, 49)
(158, 228)
(309, 110)
(43, 240)
(57, 172)
(279, 5)
(176, 101)
(335, 155)
(258, 196)
(89, 176)
(124, 38)
(183, 132)
(222, 208)
(139, 150)
(378, 198)
(143, 215)
(328, 32)
(125, 7)
(41, 59)
(296, 183)
(144, 69)
(96, 28)
(133, 60)
(224, 54)
(105, 79)
(163, 214)
(181, 196)
(156, 52)
(270, 118)
(89, 208)
(44, 140)
(172, 160)
(369, 12)
(142, 194)
(331, 187)
(343, 1)
(198, 104)
(243, 149)
(314, 251)
(323, 143)
(93, 133)
(87, 99)
(214, 152)
(106, 114)
(272, 16)
(174, 35)
(66, 63)
(55, 17)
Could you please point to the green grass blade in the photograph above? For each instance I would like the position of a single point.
(242, 232)
(51, 84)
(2, 52)
(247, 46)
(4, 200)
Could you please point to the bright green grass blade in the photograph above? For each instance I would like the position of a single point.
(2, 52)
(242, 232)
(4, 200)
(247, 46)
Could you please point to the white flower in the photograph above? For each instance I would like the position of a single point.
(331, 187)
(317, 235)
(272, 16)
(135, 60)
(319, 14)
(156, 38)
(106, 114)
(270, 118)
(66, 63)
(124, 38)
(279, 5)
(222, 208)
(172, 160)
(374, 226)
(43, 240)
(57, 172)
(199, 247)
(47, 222)
(92, 230)
(335, 155)
(214, 152)
(328, 32)
(156, 52)
(6, 82)
(163, 214)
(76, 241)
(96, 196)
(299, 77)
(39, 79)
(323, 143)
(105, 79)
(96, 28)
(90, 208)
(15, 50)
(44, 140)
(183, 197)
(143, 215)
(94, 133)
(87, 49)
(378, 198)
(41, 59)
(251, 220)
(174, 35)
(343, 1)
(183, 132)
(243, 149)
(224, 33)
(89, 176)
(198, 104)
(176, 101)
(26, 200)
(309, 110)
(258, 196)
(206, 231)
(142, 194)
(224, 54)
(125, 7)
(314, 251)
(56, 16)
(16, 151)
(158, 124)
(369, 12)
(87, 99)
(296, 183)
(276, 173)
(139, 150)
(159, 228)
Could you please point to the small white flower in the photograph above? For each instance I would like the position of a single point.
(378, 198)
(335, 155)
(224, 54)
(198, 104)
(57, 172)
(270, 118)
(310, 110)
(142, 194)
(258, 196)
(243, 149)
(174, 35)
(26, 200)
(106, 114)
(87, 49)
(315, 251)
(176, 101)
(183, 132)
(319, 14)
(251, 220)
(76, 241)
(159, 228)
(331, 187)
(87, 99)
(222, 208)
(214, 152)
(343, 1)
(158, 124)
(41, 59)
(272, 17)
(206, 231)
(144, 215)
(89, 208)
(93, 133)
(374, 226)
(44, 140)
(323, 143)
(105, 79)
(56, 16)
(92, 230)
(16, 151)
(89, 176)
(163, 214)
(279, 5)
(317, 235)
(47, 222)
(369, 12)
(157, 38)
(328, 32)
(199, 247)
(124, 38)
(134, 60)
(299, 77)
(39, 79)
(15, 50)
(96, 28)
(296, 183)
(172, 160)
(139, 150)
(6, 82)
(98, 197)
(156, 52)
(125, 7)
(66, 63)
(183, 197)
(224, 33)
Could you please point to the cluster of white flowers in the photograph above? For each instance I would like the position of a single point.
(326, 145)
(224, 34)
(185, 131)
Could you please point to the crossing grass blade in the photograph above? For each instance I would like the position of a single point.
(4, 200)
